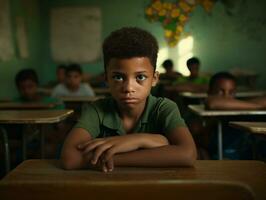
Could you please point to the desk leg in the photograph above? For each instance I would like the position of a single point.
(24, 143)
(220, 141)
(42, 132)
(6, 147)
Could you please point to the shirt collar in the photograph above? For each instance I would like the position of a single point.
(112, 120)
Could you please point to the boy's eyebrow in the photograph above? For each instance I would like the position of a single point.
(138, 72)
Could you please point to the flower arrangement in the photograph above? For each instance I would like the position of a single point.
(174, 16)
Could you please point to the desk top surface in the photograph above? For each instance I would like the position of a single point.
(252, 173)
(80, 98)
(14, 105)
(240, 94)
(253, 127)
(33, 116)
(200, 110)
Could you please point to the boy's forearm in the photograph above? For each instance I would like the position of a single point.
(165, 156)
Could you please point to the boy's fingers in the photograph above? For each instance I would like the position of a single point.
(84, 144)
(99, 151)
(92, 146)
(109, 154)
(110, 165)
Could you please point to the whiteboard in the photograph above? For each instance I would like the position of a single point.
(6, 46)
(75, 34)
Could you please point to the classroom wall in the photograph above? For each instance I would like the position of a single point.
(29, 10)
(221, 41)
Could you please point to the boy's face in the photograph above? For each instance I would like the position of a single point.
(73, 79)
(27, 89)
(225, 88)
(130, 80)
(194, 70)
(60, 74)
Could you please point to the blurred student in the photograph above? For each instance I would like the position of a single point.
(131, 128)
(169, 75)
(73, 85)
(194, 82)
(221, 95)
(27, 83)
(60, 76)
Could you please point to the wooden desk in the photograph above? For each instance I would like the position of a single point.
(252, 127)
(240, 94)
(252, 173)
(80, 99)
(201, 111)
(24, 106)
(101, 91)
(29, 117)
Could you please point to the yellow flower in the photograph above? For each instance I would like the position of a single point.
(148, 11)
(179, 28)
(168, 33)
(185, 7)
(167, 6)
(175, 13)
(162, 12)
(207, 5)
(182, 18)
(157, 5)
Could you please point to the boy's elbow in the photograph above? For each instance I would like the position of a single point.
(191, 157)
(68, 162)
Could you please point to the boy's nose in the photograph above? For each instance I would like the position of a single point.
(129, 86)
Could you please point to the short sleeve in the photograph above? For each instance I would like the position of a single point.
(169, 116)
(90, 120)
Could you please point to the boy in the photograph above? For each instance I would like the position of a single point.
(192, 83)
(221, 96)
(73, 85)
(27, 84)
(170, 74)
(222, 88)
(132, 128)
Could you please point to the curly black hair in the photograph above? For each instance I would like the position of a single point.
(73, 68)
(129, 42)
(26, 74)
(193, 60)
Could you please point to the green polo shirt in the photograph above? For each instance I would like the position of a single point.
(101, 118)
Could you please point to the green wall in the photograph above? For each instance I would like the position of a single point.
(221, 41)
(29, 10)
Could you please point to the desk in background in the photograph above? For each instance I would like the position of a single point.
(201, 111)
(24, 106)
(251, 173)
(40, 117)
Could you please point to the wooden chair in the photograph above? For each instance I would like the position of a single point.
(125, 190)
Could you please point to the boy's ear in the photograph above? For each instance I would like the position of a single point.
(155, 78)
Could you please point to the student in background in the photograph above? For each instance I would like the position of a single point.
(169, 75)
(221, 95)
(131, 128)
(27, 83)
(194, 82)
(60, 76)
(73, 85)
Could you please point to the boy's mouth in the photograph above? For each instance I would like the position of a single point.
(128, 100)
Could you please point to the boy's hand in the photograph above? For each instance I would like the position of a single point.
(101, 164)
(105, 148)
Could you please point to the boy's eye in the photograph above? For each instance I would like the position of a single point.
(117, 77)
(141, 77)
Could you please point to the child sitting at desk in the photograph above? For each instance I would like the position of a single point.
(131, 128)
(73, 85)
(27, 84)
(222, 88)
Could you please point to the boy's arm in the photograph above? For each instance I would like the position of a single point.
(223, 103)
(180, 152)
(260, 100)
(71, 157)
